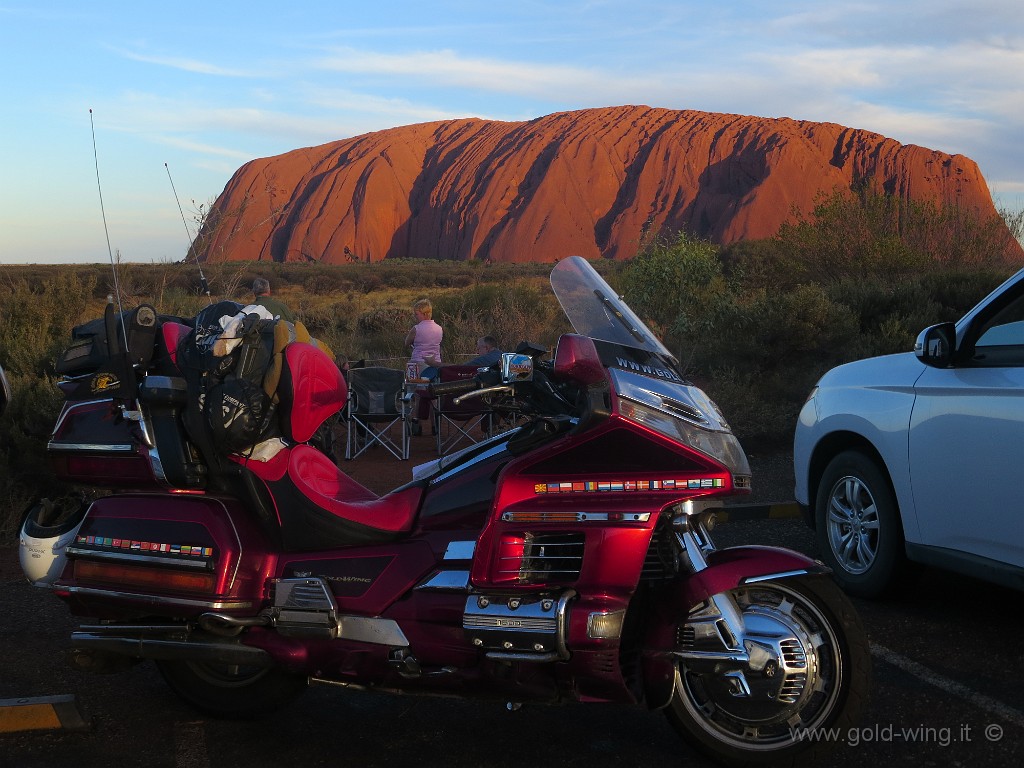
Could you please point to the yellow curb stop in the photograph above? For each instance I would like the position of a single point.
(41, 713)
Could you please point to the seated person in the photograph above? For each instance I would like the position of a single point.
(487, 354)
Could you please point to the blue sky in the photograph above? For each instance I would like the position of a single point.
(205, 87)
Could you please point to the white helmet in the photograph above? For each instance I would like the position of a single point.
(42, 548)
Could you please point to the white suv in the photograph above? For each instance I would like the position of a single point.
(920, 456)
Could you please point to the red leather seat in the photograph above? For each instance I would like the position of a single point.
(319, 506)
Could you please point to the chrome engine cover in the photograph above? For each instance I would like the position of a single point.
(524, 627)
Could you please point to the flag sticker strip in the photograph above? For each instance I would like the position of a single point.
(133, 545)
(616, 486)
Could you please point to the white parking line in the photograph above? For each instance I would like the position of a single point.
(190, 746)
(980, 700)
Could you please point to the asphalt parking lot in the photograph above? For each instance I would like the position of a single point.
(947, 691)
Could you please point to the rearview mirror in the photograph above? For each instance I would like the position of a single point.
(515, 367)
(936, 344)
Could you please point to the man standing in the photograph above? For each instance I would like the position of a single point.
(261, 289)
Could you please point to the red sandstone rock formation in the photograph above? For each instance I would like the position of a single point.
(587, 182)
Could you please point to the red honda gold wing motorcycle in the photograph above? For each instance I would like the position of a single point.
(567, 558)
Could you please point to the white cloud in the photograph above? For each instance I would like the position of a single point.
(187, 65)
(449, 68)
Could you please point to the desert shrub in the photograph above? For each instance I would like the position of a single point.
(751, 403)
(24, 429)
(954, 292)
(677, 286)
(38, 320)
(764, 352)
(511, 313)
(868, 232)
(320, 284)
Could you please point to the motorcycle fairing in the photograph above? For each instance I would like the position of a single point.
(613, 525)
(368, 579)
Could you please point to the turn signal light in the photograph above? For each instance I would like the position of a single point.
(605, 626)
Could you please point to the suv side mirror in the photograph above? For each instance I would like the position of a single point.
(936, 344)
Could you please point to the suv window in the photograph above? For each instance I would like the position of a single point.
(1001, 338)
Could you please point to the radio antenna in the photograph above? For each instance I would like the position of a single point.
(188, 234)
(106, 232)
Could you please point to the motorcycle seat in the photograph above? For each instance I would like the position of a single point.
(320, 506)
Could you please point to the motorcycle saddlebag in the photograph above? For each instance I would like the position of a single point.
(166, 554)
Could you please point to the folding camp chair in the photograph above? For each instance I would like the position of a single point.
(375, 410)
(468, 422)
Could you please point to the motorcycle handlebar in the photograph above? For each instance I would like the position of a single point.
(454, 387)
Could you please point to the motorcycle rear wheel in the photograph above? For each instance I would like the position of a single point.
(791, 720)
(231, 691)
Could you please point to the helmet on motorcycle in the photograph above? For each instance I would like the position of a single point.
(42, 546)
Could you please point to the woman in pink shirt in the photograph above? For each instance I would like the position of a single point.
(425, 340)
(425, 336)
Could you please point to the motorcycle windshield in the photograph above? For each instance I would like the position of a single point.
(595, 310)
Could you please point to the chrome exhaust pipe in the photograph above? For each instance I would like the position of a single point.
(90, 644)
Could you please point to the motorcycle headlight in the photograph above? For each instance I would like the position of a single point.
(723, 447)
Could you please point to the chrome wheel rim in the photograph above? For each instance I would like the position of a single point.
(853, 525)
(791, 717)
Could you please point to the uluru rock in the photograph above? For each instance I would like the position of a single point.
(589, 182)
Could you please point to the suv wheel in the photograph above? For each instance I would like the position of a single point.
(858, 528)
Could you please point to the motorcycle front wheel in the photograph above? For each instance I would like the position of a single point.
(807, 681)
(231, 691)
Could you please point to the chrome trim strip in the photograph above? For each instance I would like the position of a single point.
(154, 599)
(238, 542)
(475, 460)
(140, 418)
(157, 465)
(92, 447)
(580, 517)
(539, 658)
(129, 557)
(740, 657)
(446, 580)
(772, 576)
(602, 517)
(460, 550)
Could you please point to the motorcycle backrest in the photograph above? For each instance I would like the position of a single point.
(311, 390)
(171, 337)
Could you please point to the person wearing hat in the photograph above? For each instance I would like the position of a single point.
(261, 289)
